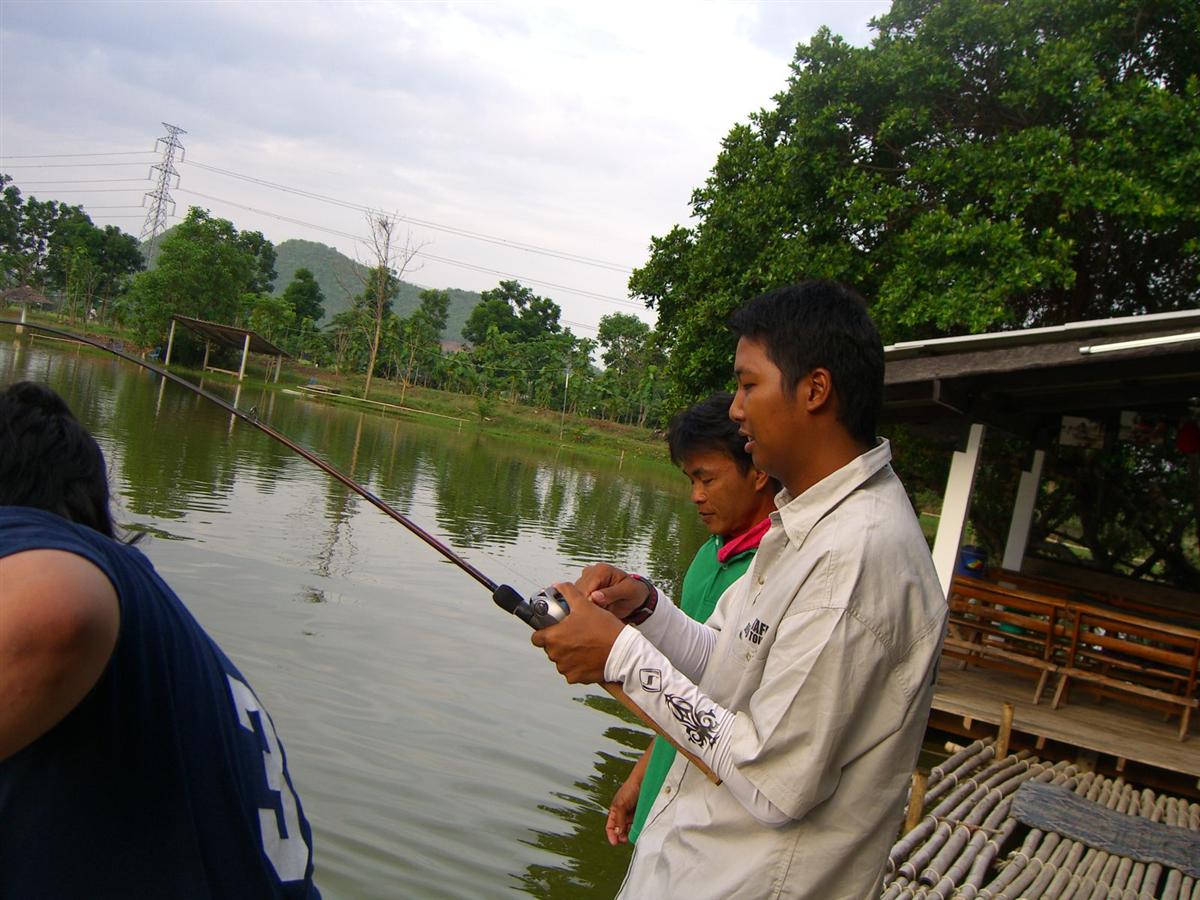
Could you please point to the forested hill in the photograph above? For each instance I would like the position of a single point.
(338, 276)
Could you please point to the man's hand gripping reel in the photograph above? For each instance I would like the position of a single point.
(549, 607)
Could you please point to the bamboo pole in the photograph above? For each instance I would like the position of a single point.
(970, 826)
(942, 781)
(1006, 721)
(991, 847)
(943, 818)
(916, 800)
(1036, 878)
(1025, 863)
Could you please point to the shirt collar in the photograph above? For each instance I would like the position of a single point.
(799, 514)
(747, 540)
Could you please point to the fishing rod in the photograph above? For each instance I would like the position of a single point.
(252, 419)
(539, 611)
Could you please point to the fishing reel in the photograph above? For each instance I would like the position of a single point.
(545, 608)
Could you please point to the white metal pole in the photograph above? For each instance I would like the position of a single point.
(245, 353)
(1022, 517)
(956, 504)
(562, 419)
(170, 344)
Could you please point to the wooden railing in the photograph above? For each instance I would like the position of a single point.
(1110, 651)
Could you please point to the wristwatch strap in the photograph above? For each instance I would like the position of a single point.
(643, 612)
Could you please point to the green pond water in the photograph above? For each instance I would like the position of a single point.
(436, 752)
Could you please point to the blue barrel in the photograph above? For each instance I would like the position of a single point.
(972, 561)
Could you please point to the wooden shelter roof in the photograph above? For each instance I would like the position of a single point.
(229, 336)
(25, 296)
(1023, 381)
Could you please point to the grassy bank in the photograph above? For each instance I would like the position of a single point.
(491, 415)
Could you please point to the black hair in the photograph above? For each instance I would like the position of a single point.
(48, 460)
(707, 426)
(822, 324)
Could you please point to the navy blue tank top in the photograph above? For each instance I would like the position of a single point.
(168, 779)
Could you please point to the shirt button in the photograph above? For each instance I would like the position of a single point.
(667, 789)
(748, 655)
(762, 579)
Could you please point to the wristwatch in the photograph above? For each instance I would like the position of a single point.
(643, 612)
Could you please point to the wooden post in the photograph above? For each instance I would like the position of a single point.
(245, 353)
(916, 800)
(170, 344)
(19, 329)
(278, 366)
(1006, 721)
(207, 348)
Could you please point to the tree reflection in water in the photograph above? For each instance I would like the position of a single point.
(590, 867)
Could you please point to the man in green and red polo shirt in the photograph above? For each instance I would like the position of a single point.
(735, 501)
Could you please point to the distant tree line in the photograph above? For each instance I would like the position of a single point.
(54, 247)
(206, 268)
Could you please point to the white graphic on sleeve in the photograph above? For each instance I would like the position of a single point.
(289, 855)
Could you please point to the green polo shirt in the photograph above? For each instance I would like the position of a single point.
(703, 585)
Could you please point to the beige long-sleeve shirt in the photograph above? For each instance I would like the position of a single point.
(818, 676)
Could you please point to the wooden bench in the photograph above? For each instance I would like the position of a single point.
(1094, 597)
(1115, 653)
(1014, 630)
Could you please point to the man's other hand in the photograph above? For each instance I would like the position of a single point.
(613, 589)
(620, 811)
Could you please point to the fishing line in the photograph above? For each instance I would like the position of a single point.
(252, 419)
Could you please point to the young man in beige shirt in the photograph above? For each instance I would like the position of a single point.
(808, 690)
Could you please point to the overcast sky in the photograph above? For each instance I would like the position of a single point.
(576, 128)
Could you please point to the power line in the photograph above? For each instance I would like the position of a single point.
(72, 165)
(128, 190)
(62, 155)
(85, 181)
(562, 287)
(437, 226)
(452, 262)
(161, 193)
(346, 204)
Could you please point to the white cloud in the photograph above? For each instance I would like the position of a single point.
(579, 127)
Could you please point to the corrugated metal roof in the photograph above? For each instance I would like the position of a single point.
(230, 336)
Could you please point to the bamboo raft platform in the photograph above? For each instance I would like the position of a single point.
(967, 843)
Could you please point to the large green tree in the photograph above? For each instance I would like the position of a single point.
(513, 310)
(205, 269)
(418, 347)
(304, 295)
(631, 383)
(980, 165)
(56, 246)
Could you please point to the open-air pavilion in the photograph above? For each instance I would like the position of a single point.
(242, 339)
(24, 297)
(1028, 627)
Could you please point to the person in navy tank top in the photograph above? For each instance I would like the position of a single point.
(135, 759)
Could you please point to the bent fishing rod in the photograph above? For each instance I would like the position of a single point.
(542, 610)
(252, 419)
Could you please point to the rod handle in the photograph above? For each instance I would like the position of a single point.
(623, 698)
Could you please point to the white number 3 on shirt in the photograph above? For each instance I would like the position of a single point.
(289, 855)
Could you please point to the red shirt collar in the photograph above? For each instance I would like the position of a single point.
(747, 540)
